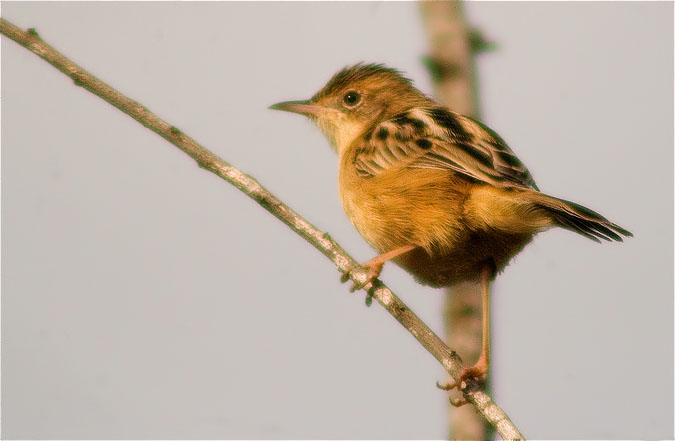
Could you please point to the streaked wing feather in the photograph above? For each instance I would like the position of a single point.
(437, 138)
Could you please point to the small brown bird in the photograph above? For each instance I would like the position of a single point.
(439, 193)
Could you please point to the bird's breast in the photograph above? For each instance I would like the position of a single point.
(404, 207)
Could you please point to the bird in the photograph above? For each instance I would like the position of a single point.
(437, 192)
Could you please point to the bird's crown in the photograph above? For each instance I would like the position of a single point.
(371, 73)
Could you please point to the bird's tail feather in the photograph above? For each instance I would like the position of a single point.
(580, 219)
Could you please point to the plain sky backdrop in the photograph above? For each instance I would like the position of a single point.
(142, 297)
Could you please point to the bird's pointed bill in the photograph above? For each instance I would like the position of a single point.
(304, 107)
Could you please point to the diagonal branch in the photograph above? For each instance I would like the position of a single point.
(209, 161)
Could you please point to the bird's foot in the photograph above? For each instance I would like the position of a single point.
(374, 270)
(477, 373)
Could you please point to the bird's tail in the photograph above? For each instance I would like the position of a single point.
(527, 211)
(579, 219)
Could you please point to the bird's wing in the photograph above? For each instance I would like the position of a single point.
(437, 138)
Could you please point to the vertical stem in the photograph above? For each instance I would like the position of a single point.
(462, 317)
(450, 60)
(452, 68)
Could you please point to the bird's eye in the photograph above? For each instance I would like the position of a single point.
(352, 98)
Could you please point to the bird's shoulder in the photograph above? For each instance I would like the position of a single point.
(434, 137)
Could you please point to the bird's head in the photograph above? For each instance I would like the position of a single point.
(354, 99)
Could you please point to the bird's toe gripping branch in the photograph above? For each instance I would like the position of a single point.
(373, 271)
(476, 373)
(456, 402)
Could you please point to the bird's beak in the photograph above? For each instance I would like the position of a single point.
(304, 107)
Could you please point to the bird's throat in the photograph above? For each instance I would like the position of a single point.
(341, 133)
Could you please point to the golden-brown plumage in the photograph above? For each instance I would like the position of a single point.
(437, 192)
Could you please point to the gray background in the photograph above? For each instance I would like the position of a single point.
(145, 298)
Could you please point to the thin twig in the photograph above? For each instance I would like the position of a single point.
(209, 161)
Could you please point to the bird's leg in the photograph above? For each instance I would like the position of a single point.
(374, 266)
(480, 369)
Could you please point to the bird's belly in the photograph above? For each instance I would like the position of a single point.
(427, 213)
(465, 261)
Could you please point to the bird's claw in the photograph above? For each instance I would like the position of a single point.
(345, 276)
(467, 373)
(371, 278)
(458, 402)
(355, 285)
(446, 386)
(476, 373)
(371, 275)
